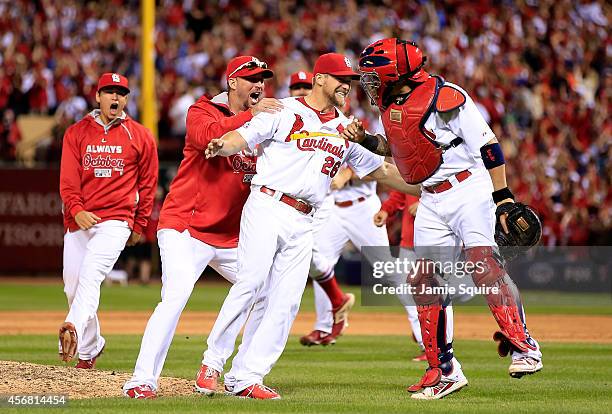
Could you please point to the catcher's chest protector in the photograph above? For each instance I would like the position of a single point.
(415, 151)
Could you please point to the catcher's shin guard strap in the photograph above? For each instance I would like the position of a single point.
(433, 330)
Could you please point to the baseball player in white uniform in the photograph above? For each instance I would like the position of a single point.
(330, 235)
(438, 138)
(332, 304)
(300, 152)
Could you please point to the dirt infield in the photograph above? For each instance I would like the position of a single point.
(561, 328)
(22, 378)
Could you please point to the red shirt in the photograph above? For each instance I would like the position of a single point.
(207, 196)
(399, 201)
(110, 171)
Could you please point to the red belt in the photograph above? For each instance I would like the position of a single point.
(447, 185)
(350, 202)
(299, 205)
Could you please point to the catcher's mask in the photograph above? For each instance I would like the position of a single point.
(387, 61)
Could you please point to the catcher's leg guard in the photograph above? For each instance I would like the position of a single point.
(432, 317)
(505, 304)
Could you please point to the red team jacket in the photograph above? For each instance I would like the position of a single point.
(206, 196)
(399, 201)
(110, 171)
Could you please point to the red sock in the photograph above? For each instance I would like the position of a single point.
(335, 295)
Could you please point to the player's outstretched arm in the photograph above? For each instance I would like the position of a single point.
(229, 144)
(388, 174)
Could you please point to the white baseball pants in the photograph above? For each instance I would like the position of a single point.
(89, 255)
(275, 247)
(184, 258)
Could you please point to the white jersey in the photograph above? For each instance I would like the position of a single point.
(354, 189)
(299, 153)
(466, 123)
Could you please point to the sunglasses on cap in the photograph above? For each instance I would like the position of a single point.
(252, 64)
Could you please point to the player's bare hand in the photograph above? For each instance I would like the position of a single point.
(354, 132)
(269, 105)
(214, 146)
(502, 218)
(134, 239)
(86, 219)
(412, 209)
(380, 218)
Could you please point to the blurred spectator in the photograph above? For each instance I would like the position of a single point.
(538, 70)
(9, 136)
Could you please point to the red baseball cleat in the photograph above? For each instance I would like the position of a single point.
(88, 363)
(315, 338)
(258, 392)
(141, 392)
(206, 380)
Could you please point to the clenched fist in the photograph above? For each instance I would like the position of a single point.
(380, 218)
(86, 219)
(354, 132)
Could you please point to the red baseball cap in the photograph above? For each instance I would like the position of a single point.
(335, 64)
(245, 66)
(113, 79)
(300, 78)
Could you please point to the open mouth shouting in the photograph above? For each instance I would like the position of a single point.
(114, 107)
(254, 97)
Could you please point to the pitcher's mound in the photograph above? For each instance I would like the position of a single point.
(25, 378)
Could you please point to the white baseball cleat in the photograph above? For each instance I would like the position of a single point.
(441, 389)
(524, 365)
(445, 385)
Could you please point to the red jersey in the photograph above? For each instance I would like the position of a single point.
(109, 170)
(399, 201)
(206, 196)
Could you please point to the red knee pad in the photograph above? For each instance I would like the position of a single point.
(488, 269)
(422, 277)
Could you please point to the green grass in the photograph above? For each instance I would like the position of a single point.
(208, 296)
(359, 375)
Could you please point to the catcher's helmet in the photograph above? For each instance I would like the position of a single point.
(387, 61)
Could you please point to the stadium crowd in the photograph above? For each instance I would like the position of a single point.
(538, 69)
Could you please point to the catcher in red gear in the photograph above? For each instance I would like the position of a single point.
(438, 138)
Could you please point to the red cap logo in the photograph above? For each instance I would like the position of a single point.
(113, 79)
(335, 64)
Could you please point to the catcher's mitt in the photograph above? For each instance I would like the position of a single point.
(524, 229)
(68, 341)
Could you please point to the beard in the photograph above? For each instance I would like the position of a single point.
(337, 99)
